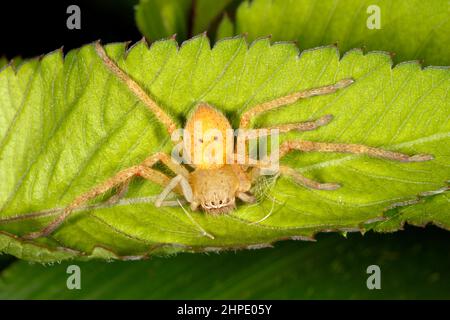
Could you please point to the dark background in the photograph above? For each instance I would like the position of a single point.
(33, 28)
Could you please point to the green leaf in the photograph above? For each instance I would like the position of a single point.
(226, 28)
(158, 19)
(206, 12)
(68, 125)
(14, 62)
(418, 212)
(414, 265)
(412, 29)
(3, 62)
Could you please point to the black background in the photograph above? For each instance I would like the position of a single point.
(32, 28)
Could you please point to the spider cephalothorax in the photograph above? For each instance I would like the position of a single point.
(215, 182)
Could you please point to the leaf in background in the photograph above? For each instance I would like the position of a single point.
(206, 12)
(412, 29)
(226, 28)
(157, 19)
(14, 62)
(68, 125)
(3, 62)
(414, 265)
(5, 261)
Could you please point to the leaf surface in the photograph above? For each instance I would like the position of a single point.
(68, 125)
(162, 18)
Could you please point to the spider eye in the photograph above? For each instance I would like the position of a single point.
(216, 138)
(200, 140)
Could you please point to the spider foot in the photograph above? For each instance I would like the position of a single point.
(323, 121)
(328, 186)
(343, 83)
(31, 236)
(420, 158)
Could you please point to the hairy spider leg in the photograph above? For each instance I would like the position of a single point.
(150, 162)
(122, 190)
(245, 183)
(117, 180)
(289, 99)
(310, 146)
(137, 90)
(170, 125)
(304, 181)
(301, 126)
(185, 187)
(248, 198)
(121, 181)
(294, 174)
(166, 160)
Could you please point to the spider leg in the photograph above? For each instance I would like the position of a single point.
(117, 180)
(122, 190)
(304, 126)
(309, 146)
(246, 197)
(167, 160)
(288, 171)
(181, 178)
(137, 90)
(149, 162)
(300, 126)
(289, 99)
(185, 187)
(244, 181)
(304, 181)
